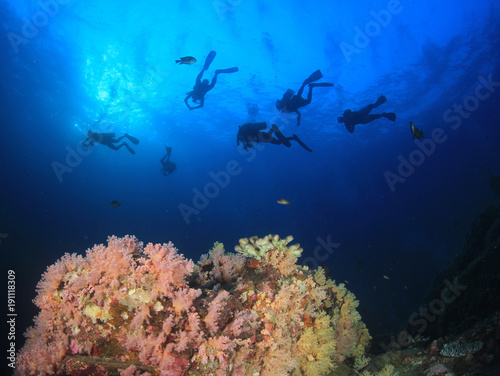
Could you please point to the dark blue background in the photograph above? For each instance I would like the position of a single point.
(96, 58)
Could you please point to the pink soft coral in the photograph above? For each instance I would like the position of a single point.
(214, 310)
(159, 311)
(225, 266)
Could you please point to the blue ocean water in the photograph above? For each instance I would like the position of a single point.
(369, 204)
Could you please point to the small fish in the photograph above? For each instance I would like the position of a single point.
(114, 204)
(282, 201)
(186, 60)
(415, 132)
(386, 277)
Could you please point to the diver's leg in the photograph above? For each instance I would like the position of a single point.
(281, 138)
(389, 115)
(301, 90)
(112, 146)
(131, 151)
(114, 140)
(274, 141)
(198, 78)
(266, 137)
(370, 117)
(212, 84)
(309, 96)
(366, 110)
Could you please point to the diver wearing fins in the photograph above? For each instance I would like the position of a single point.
(109, 140)
(201, 88)
(253, 132)
(167, 167)
(351, 118)
(292, 102)
(415, 132)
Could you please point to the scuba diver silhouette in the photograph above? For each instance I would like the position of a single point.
(109, 140)
(201, 88)
(253, 132)
(167, 167)
(291, 103)
(351, 118)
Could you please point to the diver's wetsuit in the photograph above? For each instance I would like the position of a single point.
(109, 140)
(292, 102)
(351, 118)
(167, 166)
(201, 88)
(253, 132)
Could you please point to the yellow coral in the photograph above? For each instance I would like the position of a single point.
(257, 247)
(317, 346)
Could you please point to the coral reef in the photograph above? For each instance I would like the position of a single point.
(257, 248)
(134, 310)
(456, 350)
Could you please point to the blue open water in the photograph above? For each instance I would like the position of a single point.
(386, 204)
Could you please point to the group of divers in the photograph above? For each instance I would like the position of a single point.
(253, 132)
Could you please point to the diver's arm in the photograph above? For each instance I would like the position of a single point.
(90, 144)
(202, 101)
(298, 117)
(186, 100)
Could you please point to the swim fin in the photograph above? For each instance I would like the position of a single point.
(322, 84)
(315, 76)
(228, 70)
(296, 138)
(381, 100)
(209, 59)
(390, 115)
(131, 151)
(133, 140)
